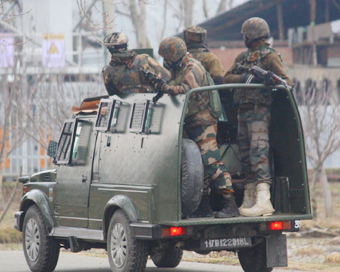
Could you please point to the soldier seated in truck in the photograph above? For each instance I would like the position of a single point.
(123, 74)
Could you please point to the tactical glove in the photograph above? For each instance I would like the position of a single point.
(249, 78)
(269, 79)
(159, 84)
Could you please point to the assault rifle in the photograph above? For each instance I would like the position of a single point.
(153, 79)
(261, 74)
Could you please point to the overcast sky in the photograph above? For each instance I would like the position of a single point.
(154, 21)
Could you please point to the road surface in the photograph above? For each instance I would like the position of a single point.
(14, 261)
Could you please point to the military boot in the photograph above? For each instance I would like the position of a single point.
(263, 206)
(230, 208)
(204, 208)
(249, 199)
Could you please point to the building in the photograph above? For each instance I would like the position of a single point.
(46, 51)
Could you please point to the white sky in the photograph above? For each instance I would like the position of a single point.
(154, 20)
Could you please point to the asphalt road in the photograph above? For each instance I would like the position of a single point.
(14, 261)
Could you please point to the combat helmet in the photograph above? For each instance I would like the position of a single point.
(194, 34)
(255, 28)
(116, 42)
(172, 49)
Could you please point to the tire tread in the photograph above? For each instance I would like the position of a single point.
(170, 257)
(49, 249)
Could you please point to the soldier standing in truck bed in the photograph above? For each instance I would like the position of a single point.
(195, 39)
(200, 124)
(254, 114)
(123, 75)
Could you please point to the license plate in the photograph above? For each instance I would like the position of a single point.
(225, 243)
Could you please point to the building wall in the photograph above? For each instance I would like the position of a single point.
(333, 56)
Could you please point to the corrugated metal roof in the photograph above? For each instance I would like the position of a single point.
(227, 25)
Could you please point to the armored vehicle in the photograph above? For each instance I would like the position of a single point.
(126, 179)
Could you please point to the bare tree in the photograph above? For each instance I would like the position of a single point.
(188, 9)
(136, 11)
(221, 6)
(10, 136)
(49, 103)
(321, 123)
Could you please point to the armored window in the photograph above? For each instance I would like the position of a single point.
(81, 142)
(107, 116)
(73, 142)
(141, 116)
(63, 155)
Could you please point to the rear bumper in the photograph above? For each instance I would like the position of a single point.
(237, 220)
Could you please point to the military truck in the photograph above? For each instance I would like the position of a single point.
(126, 179)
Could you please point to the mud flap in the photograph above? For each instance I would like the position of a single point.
(276, 250)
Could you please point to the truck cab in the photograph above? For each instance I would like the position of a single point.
(126, 179)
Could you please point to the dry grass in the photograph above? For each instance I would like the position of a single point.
(10, 235)
(320, 219)
(334, 257)
(7, 232)
(310, 251)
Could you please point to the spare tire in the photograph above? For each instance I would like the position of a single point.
(192, 176)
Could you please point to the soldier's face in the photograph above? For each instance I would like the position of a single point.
(247, 42)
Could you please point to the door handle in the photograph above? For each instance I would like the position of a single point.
(83, 178)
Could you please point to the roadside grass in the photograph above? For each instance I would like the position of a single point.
(8, 234)
(334, 257)
(309, 251)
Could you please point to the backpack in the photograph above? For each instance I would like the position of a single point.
(214, 98)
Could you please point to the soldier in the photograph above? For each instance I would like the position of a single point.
(195, 39)
(123, 74)
(254, 115)
(200, 125)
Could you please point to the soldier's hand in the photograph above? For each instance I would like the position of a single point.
(159, 84)
(269, 79)
(248, 78)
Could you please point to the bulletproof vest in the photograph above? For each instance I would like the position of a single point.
(254, 96)
(198, 101)
(122, 78)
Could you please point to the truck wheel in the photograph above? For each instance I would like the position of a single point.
(254, 259)
(167, 257)
(192, 176)
(41, 251)
(126, 254)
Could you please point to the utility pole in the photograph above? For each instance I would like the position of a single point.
(312, 5)
(326, 11)
(109, 13)
(280, 21)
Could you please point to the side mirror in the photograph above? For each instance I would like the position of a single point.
(52, 149)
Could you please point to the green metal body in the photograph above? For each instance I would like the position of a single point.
(141, 172)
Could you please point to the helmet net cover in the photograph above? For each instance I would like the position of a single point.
(116, 41)
(172, 49)
(255, 28)
(194, 34)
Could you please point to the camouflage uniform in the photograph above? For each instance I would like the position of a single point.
(200, 125)
(123, 75)
(195, 37)
(254, 112)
